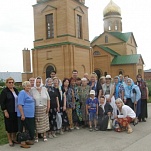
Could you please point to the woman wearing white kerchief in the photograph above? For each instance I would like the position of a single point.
(42, 102)
(104, 112)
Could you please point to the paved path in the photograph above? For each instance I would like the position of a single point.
(83, 140)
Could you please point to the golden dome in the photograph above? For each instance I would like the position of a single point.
(112, 9)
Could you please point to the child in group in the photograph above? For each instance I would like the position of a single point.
(92, 109)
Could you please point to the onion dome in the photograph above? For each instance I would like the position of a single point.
(111, 9)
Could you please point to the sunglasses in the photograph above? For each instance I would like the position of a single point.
(10, 82)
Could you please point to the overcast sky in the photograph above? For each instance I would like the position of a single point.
(17, 32)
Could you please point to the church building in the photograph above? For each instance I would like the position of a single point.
(115, 52)
(62, 42)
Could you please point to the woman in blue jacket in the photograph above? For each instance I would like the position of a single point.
(132, 96)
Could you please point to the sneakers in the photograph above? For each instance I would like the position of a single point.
(54, 135)
(90, 129)
(50, 136)
(77, 128)
(61, 132)
(96, 129)
(36, 140)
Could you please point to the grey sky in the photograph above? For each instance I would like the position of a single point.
(17, 32)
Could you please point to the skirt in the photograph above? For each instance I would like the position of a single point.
(123, 122)
(52, 119)
(41, 119)
(11, 124)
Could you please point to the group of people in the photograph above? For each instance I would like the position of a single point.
(44, 109)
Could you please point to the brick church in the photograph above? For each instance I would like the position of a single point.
(62, 42)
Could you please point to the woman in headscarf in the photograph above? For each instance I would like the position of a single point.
(84, 91)
(42, 102)
(54, 108)
(108, 92)
(144, 97)
(119, 89)
(104, 112)
(132, 96)
(124, 118)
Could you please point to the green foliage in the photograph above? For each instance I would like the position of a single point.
(3, 138)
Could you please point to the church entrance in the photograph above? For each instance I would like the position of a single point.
(99, 73)
(48, 70)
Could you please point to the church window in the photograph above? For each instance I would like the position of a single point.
(96, 53)
(116, 25)
(49, 26)
(110, 25)
(79, 26)
(106, 39)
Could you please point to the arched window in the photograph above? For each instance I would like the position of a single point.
(121, 71)
(132, 51)
(106, 39)
(48, 70)
(96, 53)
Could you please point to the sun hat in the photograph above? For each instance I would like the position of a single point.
(108, 77)
(92, 92)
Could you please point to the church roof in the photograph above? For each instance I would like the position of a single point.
(123, 36)
(112, 52)
(126, 59)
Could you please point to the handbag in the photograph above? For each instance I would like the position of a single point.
(22, 136)
(109, 126)
(59, 120)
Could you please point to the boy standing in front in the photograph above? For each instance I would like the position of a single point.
(92, 109)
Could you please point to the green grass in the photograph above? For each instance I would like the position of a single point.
(3, 138)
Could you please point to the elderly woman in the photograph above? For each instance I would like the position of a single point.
(84, 91)
(119, 88)
(104, 112)
(125, 116)
(144, 97)
(26, 113)
(9, 96)
(108, 92)
(132, 94)
(42, 103)
(54, 108)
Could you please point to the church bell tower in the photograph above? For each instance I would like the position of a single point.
(61, 38)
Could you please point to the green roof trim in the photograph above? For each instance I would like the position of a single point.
(112, 52)
(60, 44)
(123, 36)
(126, 59)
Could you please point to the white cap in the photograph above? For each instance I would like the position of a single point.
(108, 77)
(92, 92)
(84, 79)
